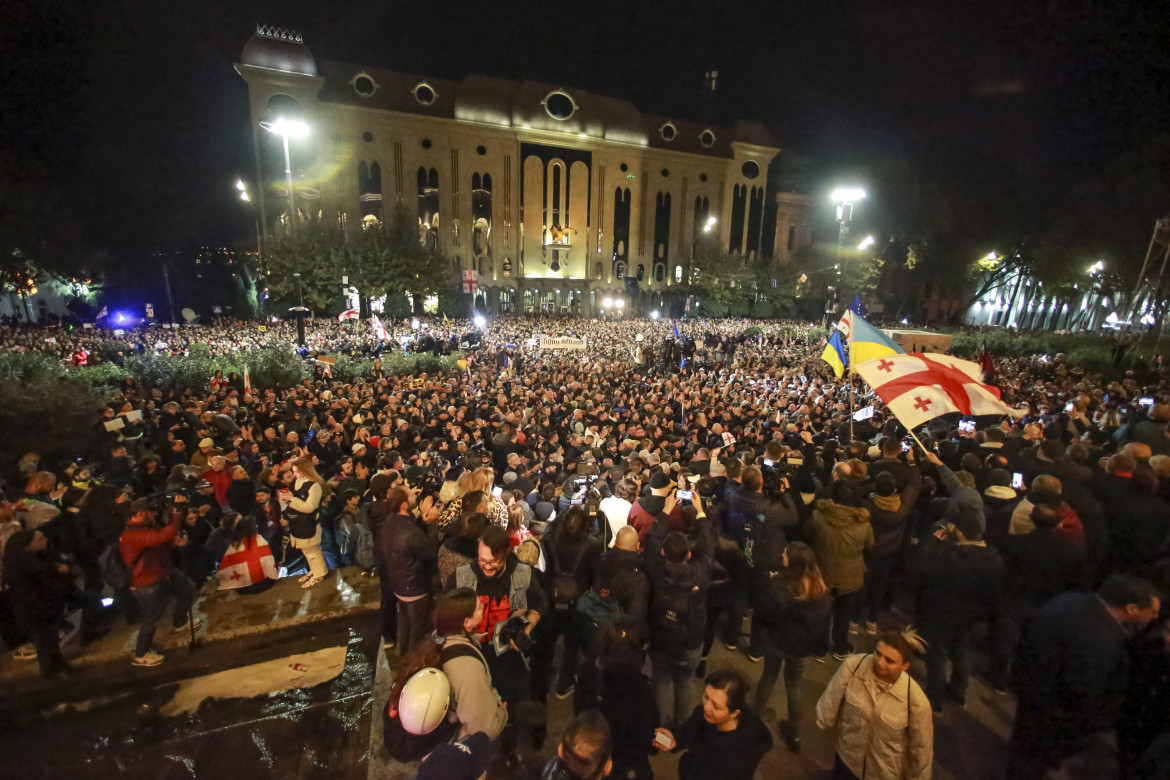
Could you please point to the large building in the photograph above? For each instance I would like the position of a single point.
(556, 197)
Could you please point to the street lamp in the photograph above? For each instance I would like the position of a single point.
(844, 197)
(262, 293)
(287, 128)
(866, 243)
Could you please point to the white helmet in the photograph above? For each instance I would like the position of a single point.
(424, 701)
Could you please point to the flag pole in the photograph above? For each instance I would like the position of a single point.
(917, 440)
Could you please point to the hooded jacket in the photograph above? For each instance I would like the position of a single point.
(888, 515)
(955, 583)
(840, 534)
(691, 577)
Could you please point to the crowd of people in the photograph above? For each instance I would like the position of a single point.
(631, 502)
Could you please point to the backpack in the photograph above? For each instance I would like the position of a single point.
(594, 610)
(675, 612)
(361, 542)
(565, 588)
(113, 568)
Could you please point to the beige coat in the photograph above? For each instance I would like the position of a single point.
(880, 735)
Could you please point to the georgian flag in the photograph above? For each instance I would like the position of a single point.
(379, 329)
(247, 382)
(348, 314)
(246, 565)
(918, 387)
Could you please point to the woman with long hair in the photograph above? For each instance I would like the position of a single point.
(453, 650)
(302, 506)
(794, 611)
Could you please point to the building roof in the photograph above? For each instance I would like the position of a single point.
(529, 105)
(276, 48)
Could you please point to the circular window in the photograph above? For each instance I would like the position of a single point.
(702, 177)
(667, 132)
(426, 143)
(481, 150)
(284, 105)
(707, 139)
(559, 105)
(624, 167)
(750, 170)
(424, 93)
(665, 173)
(364, 85)
(367, 137)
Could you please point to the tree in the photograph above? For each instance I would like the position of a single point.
(315, 252)
(719, 278)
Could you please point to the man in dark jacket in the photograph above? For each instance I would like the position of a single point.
(380, 512)
(1038, 567)
(889, 510)
(678, 611)
(408, 550)
(1070, 673)
(754, 519)
(957, 582)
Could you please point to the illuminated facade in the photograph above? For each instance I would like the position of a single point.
(556, 197)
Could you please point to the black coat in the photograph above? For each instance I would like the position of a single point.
(1071, 666)
(1039, 566)
(790, 627)
(621, 574)
(627, 702)
(712, 754)
(408, 551)
(954, 583)
(38, 591)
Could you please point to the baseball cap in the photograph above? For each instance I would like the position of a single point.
(206, 443)
(659, 481)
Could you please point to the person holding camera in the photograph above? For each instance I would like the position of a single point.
(145, 549)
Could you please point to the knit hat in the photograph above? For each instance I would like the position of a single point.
(970, 521)
(380, 484)
(659, 481)
(206, 443)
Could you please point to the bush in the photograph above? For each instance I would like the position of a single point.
(47, 408)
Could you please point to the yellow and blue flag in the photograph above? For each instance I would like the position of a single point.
(867, 342)
(834, 354)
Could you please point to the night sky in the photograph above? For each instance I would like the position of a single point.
(131, 119)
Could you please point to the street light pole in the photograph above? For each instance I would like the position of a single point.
(300, 312)
(285, 128)
(844, 198)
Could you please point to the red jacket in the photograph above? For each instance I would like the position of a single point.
(220, 480)
(147, 554)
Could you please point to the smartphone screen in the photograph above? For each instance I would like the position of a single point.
(905, 446)
(1018, 481)
(685, 495)
(1146, 402)
(496, 491)
(768, 461)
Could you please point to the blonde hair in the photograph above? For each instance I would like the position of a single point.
(482, 479)
(308, 470)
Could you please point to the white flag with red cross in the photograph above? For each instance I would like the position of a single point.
(247, 562)
(470, 282)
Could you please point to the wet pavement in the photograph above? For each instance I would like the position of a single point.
(237, 707)
(124, 731)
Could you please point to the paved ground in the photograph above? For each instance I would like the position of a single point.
(189, 717)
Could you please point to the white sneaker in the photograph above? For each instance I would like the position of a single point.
(187, 626)
(152, 658)
(26, 652)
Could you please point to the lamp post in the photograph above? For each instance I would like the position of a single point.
(262, 293)
(287, 128)
(844, 197)
(300, 310)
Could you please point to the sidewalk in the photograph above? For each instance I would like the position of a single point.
(283, 606)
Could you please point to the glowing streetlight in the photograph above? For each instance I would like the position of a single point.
(844, 198)
(619, 303)
(288, 128)
(847, 194)
(479, 321)
(240, 185)
(654, 315)
(866, 243)
(607, 303)
(710, 225)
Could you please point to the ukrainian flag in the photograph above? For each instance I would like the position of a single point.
(834, 354)
(867, 342)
